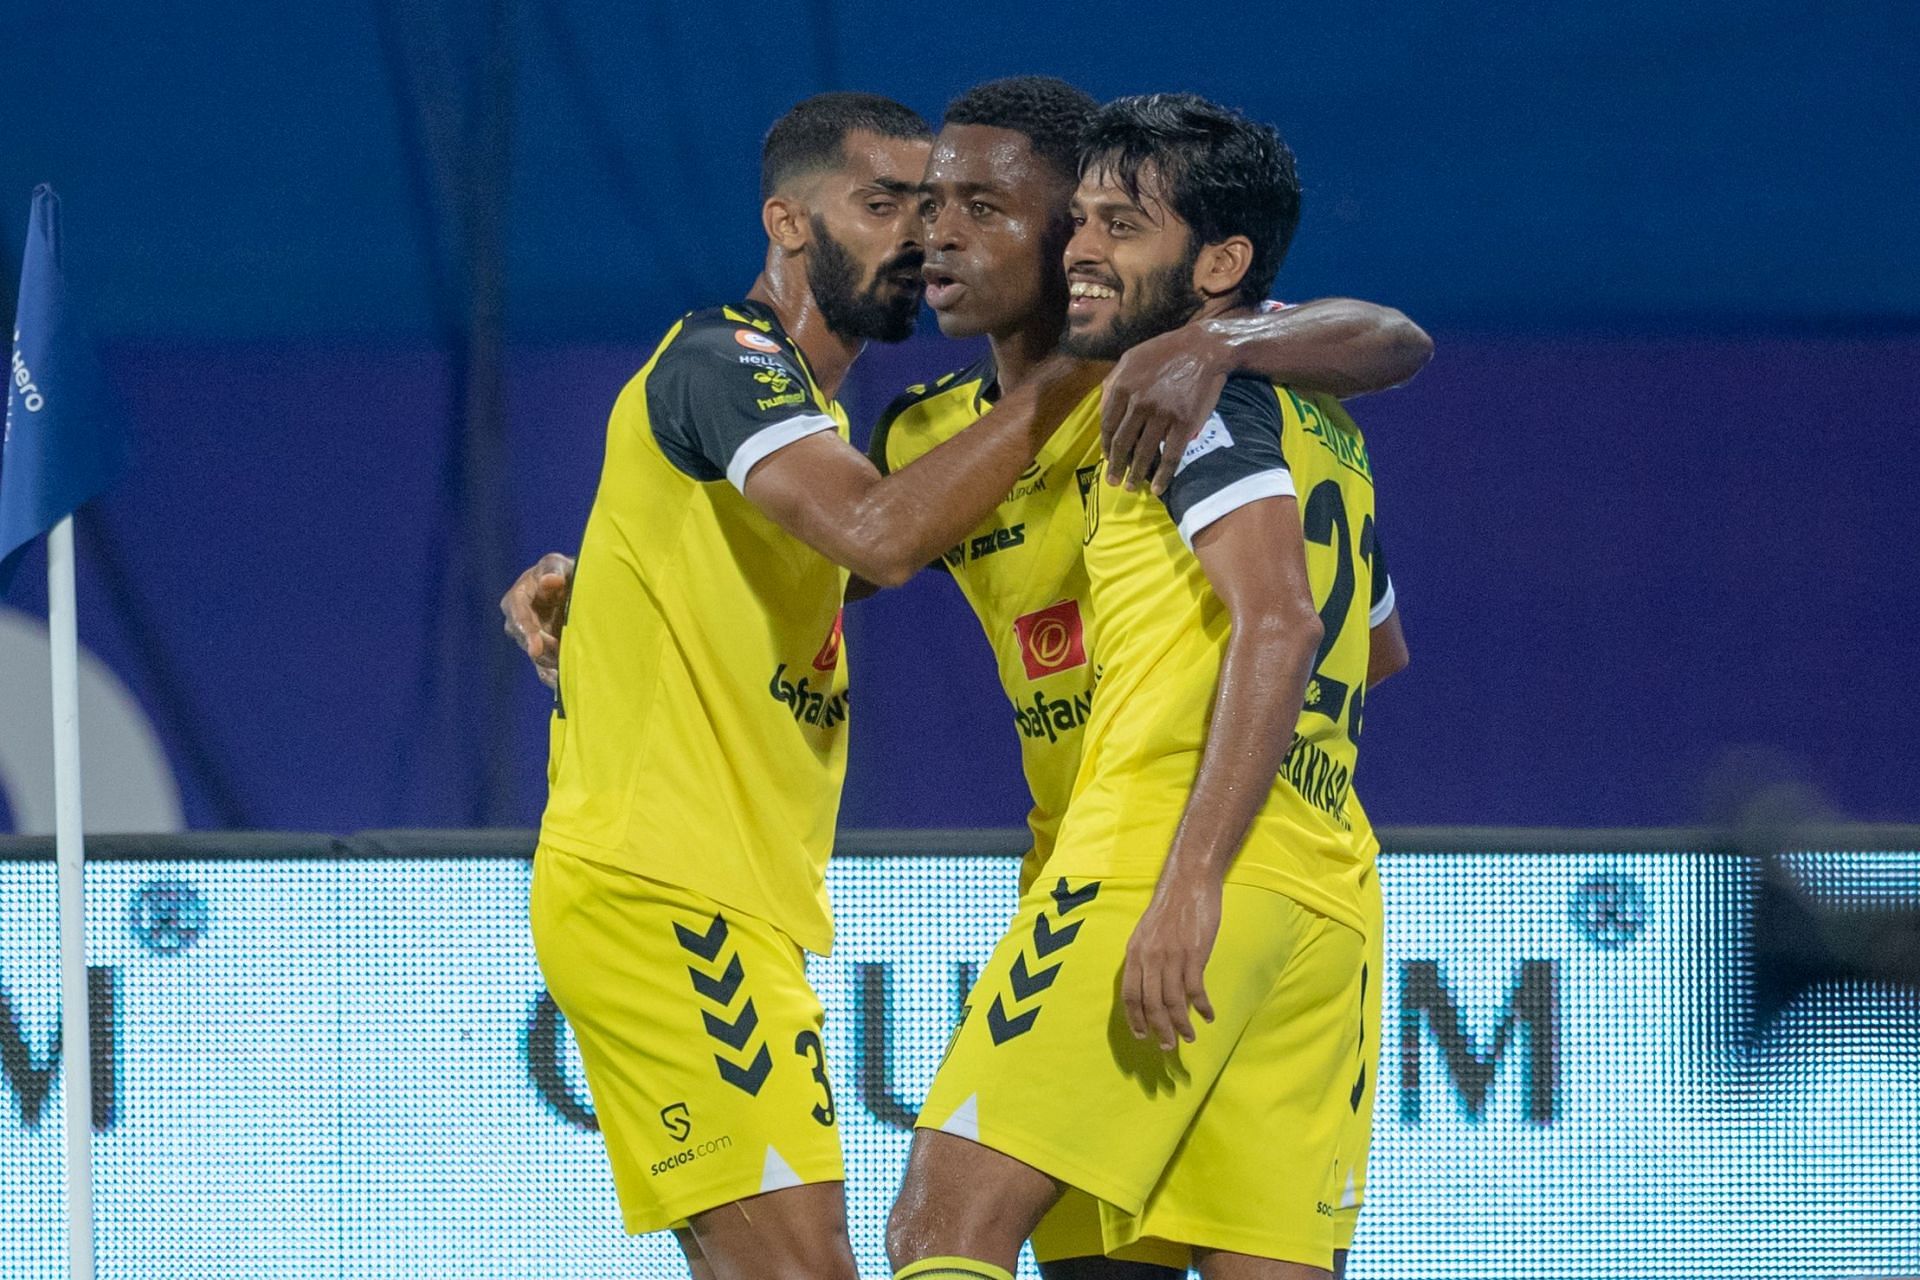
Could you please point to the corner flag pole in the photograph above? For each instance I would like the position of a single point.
(70, 853)
(65, 442)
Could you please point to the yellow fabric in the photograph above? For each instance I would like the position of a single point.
(699, 1034)
(1348, 1188)
(952, 1269)
(1022, 574)
(1226, 1143)
(1072, 1229)
(699, 736)
(1158, 637)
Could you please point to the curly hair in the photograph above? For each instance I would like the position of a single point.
(1049, 112)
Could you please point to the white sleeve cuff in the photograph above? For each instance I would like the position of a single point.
(768, 441)
(1263, 484)
(1383, 610)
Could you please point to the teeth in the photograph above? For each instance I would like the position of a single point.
(1085, 289)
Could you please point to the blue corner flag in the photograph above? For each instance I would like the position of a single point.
(66, 436)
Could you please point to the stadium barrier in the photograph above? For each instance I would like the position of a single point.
(1605, 1054)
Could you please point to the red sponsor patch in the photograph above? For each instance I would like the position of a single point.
(1050, 639)
(829, 656)
(753, 341)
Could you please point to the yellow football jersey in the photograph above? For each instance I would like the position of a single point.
(1022, 573)
(1159, 633)
(699, 733)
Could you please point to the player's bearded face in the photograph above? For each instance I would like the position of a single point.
(1129, 271)
(880, 303)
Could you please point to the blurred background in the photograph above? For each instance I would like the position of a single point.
(370, 275)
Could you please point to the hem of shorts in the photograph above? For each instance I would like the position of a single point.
(1052, 1162)
(614, 860)
(1198, 1234)
(676, 1212)
(1135, 1250)
(1346, 1225)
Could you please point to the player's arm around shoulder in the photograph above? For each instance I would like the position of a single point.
(1233, 501)
(1162, 390)
(885, 528)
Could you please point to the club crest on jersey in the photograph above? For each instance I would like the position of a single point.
(755, 341)
(1051, 639)
(829, 656)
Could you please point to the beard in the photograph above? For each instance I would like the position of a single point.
(875, 312)
(1167, 301)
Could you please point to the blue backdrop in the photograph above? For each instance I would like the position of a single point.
(371, 275)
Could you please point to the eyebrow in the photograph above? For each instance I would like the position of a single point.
(1116, 206)
(972, 188)
(896, 186)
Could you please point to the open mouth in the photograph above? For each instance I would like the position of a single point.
(943, 290)
(1087, 298)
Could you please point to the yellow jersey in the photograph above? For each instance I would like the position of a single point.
(1021, 572)
(1159, 633)
(699, 730)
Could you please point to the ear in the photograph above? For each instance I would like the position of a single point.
(785, 220)
(1219, 269)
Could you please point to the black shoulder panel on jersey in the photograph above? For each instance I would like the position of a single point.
(918, 393)
(721, 380)
(1240, 441)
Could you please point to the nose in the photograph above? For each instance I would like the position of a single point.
(944, 229)
(1086, 248)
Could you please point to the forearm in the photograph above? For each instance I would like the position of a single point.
(1340, 346)
(903, 521)
(1263, 679)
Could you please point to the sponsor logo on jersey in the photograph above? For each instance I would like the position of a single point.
(1051, 639)
(755, 341)
(1052, 718)
(1214, 435)
(1088, 478)
(828, 658)
(808, 705)
(985, 544)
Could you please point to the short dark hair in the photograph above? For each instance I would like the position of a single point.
(813, 136)
(1225, 175)
(1050, 113)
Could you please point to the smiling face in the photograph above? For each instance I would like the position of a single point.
(1130, 266)
(995, 225)
(865, 252)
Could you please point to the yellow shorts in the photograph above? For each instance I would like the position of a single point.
(700, 1037)
(1072, 1228)
(1229, 1143)
(1350, 1176)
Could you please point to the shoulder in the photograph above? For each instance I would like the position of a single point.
(721, 339)
(1250, 403)
(927, 413)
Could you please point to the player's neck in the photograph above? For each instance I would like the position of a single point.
(829, 355)
(1016, 354)
(1214, 308)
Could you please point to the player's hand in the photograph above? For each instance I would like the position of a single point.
(535, 608)
(1167, 960)
(1157, 399)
